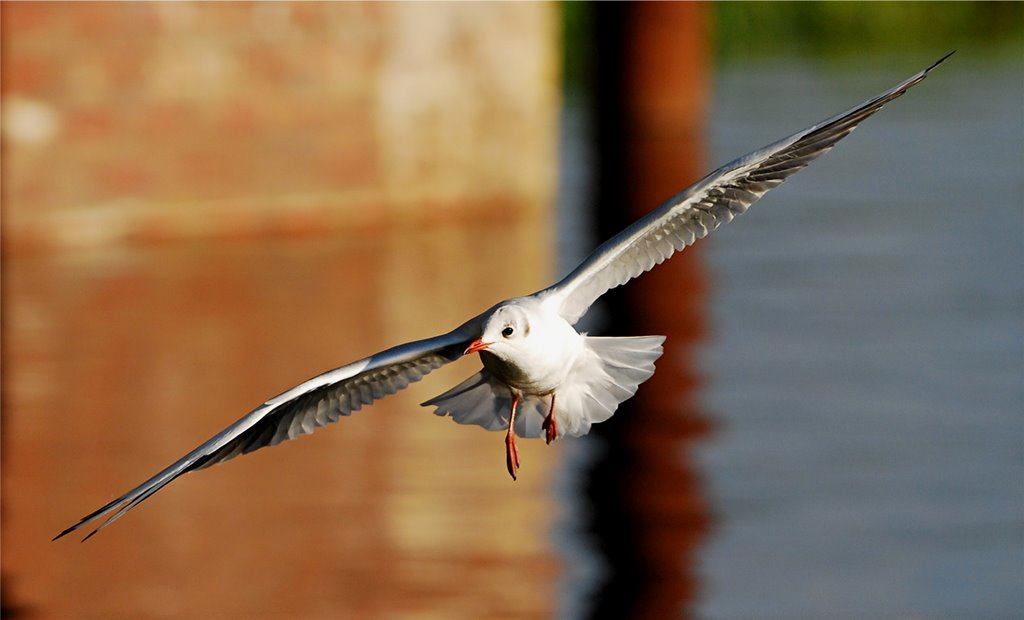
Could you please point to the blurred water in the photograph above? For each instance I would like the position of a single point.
(119, 361)
(864, 367)
(867, 356)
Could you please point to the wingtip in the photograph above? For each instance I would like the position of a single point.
(90, 518)
(72, 529)
(67, 531)
(939, 61)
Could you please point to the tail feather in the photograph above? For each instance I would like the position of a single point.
(607, 373)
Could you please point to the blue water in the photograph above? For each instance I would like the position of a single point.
(865, 366)
(867, 363)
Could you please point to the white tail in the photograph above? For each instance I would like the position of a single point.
(607, 373)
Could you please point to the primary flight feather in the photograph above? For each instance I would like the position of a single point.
(540, 376)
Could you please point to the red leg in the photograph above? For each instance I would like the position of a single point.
(511, 452)
(550, 425)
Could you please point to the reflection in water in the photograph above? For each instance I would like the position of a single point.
(118, 362)
(646, 509)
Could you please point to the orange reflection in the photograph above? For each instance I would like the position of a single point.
(118, 362)
(205, 204)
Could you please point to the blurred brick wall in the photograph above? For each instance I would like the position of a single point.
(149, 122)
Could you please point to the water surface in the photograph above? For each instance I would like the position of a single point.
(867, 357)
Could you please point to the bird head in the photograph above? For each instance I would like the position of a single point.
(504, 332)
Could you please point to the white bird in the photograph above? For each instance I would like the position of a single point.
(530, 351)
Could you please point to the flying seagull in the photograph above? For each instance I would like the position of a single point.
(529, 347)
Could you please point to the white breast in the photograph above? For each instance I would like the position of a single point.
(538, 363)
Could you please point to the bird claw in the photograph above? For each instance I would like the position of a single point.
(511, 455)
(551, 426)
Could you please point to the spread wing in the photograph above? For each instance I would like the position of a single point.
(697, 210)
(303, 409)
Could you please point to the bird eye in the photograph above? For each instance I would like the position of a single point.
(508, 331)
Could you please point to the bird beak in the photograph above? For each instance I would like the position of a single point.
(476, 345)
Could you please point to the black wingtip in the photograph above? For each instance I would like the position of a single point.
(90, 517)
(68, 530)
(65, 532)
(72, 529)
(939, 61)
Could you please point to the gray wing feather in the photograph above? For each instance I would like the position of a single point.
(702, 207)
(301, 410)
(485, 401)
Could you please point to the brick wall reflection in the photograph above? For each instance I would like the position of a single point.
(205, 204)
(118, 363)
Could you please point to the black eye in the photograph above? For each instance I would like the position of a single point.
(507, 332)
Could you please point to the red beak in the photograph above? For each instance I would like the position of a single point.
(476, 345)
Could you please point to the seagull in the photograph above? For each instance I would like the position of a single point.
(532, 354)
